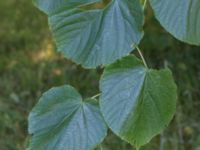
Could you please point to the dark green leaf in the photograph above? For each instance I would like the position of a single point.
(62, 121)
(137, 103)
(92, 32)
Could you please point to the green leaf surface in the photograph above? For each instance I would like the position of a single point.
(180, 17)
(137, 103)
(92, 32)
(62, 121)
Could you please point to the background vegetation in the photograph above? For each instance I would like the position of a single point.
(29, 65)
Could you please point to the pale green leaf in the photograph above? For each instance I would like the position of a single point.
(180, 17)
(62, 121)
(137, 103)
(92, 32)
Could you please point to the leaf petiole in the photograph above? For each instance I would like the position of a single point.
(95, 96)
(141, 55)
(145, 4)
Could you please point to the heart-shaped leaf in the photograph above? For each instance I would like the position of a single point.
(92, 32)
(137, 103)
(62, 121)
(180, 17)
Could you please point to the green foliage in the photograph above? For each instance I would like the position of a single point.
(62, 120)
(90, 36)
(144, 100)
(23, 79)
(112, 39)
(180, 17)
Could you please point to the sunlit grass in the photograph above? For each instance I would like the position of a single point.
(46, 53)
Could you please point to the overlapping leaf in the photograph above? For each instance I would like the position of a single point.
(180, 17)
(62, 121)
(92, 32)
(137, 103)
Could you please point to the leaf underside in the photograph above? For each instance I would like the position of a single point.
(180, 17)
(137, 103)
(62, 121)
(92, 32)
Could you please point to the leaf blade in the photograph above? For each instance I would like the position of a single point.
(180, 18)
(98, 36)
(61, 120)
(132, 102)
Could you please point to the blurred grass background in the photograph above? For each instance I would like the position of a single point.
(29, 65)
